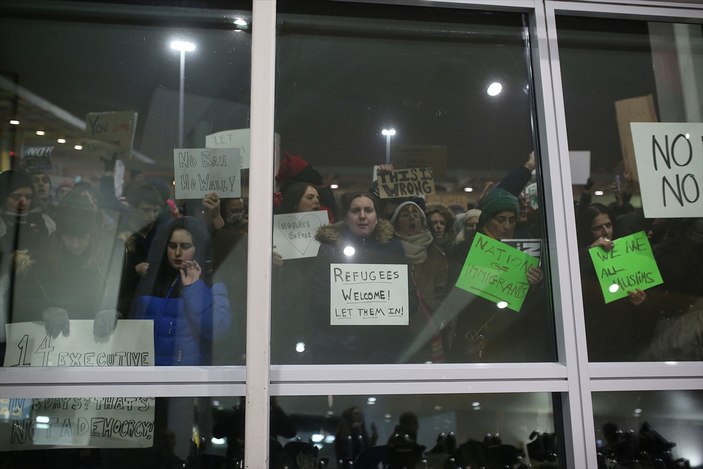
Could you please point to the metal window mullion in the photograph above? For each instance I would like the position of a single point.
(577, 408)
(263, 66)
(628, 10)
(647, 384)
(83, 390)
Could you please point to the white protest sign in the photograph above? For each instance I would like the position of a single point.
(670, 168)
(238, 139)
(132, 344)
(580, 166)
(110, 133)
(198, 171)
(102, 422)
(369, 295)
(405, 183)
(294, 233)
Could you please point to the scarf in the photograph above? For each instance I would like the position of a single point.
(415, 246)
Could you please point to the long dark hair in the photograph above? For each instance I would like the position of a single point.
(584, 220)
(160, 275)
(292, 196)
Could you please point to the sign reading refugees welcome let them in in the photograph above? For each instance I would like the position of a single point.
(198, 171)
(670, 168)
(496, 272)
(369, 295)
(629, 266)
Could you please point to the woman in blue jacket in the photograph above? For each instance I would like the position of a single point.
(187, 312)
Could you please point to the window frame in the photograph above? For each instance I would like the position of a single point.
(573, 377)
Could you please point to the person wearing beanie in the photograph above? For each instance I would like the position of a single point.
(427, 269)
(504, 335)
(294, 169)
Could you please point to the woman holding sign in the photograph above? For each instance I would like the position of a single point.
(291, 321)
(487, 331)
(361, 298)
(613, 330)
(188, 313)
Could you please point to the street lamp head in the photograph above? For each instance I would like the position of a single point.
(388, 132)
(183, 46)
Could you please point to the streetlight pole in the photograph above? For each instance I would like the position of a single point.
(182, 47)
(388, 133)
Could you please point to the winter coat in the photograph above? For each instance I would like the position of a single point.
(185, 325)
(354, 344)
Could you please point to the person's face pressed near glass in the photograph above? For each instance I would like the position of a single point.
(602, 227)
(470, 226)
(361, 217)
(180, 248)
(233, 207)
(76, 244)
(146, 214)
(501, 225)
(19, 201)
(439, 225)
(42, 186)
(409, 221)
(310, 201)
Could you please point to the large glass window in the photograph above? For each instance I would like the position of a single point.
(632, 93)
(430, 431)
(409, 221)
(124, 193)
(648, 428)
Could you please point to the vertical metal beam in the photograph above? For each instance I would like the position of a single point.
(263, 53)
(563, 248)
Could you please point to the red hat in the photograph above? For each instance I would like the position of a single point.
(295, 169)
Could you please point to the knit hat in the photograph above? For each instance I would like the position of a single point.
(473, 213)
(497, 200)
(294, 169)
(11, 180)
(400, 207)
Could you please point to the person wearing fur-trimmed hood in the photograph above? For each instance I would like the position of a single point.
(372, 241)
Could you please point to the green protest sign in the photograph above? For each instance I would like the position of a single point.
(497, 272)
(628, 266)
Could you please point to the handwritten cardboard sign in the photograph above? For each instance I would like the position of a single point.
(369, 295)
(110, 134)
(38, 158)
(132, 344)
(628, 266)
(237, 139)
(102, 422)
(420, 156)
(294, 233)
(670, 168)
(198, 171)
(405, 183)
(496, 272)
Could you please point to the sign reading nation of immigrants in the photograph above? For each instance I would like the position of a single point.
(369, 295)
(670, 168)
(625, 268)
(405, 183)
(496, 272)
(104, 422)
(294, 233)
(198, 171)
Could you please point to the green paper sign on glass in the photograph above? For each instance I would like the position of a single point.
(496, 272)
(625, 268)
